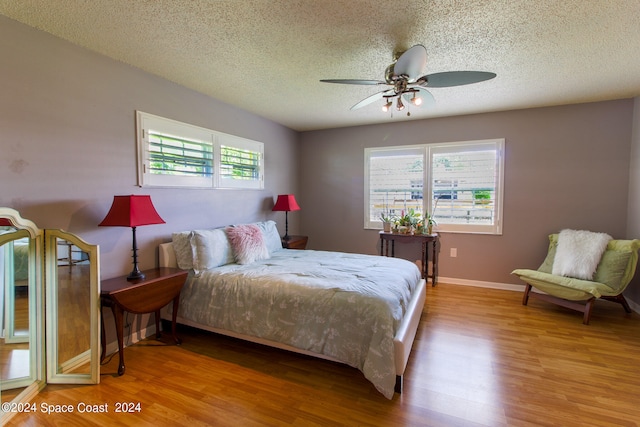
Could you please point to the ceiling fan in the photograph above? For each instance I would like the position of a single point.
(404, 77)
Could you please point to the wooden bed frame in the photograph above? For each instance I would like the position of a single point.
(402, 342)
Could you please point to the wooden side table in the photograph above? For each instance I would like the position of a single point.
(295, 242)
(425, 240)
(148, 295)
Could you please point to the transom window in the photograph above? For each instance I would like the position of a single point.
(175, 154)
(170, 155)
(461, 184)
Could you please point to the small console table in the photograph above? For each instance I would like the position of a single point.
(148, 295)
(425, 240)
(295, 242)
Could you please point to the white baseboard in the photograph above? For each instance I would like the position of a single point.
(112, 347)
(506, 287)
(481, 284)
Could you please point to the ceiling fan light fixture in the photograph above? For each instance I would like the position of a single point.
(404, 77)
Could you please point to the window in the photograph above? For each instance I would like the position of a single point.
(240, 163)
(175, 154)
(461, 185)
(176, 161)
(395, 178)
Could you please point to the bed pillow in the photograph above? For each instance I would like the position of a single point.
(211, 249)
(270, 235)
(183, 249)
(247, 243)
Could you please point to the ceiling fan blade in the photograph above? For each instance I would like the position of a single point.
(412, 62)
(354, 82)
(455, 78)
(368, 100)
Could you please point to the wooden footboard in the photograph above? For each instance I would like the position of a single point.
(402, 342)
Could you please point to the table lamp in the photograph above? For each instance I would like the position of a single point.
(132, 211)
(286, 203)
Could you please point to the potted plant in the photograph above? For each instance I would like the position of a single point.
(408, 221)
(429, 222)
(386, 222)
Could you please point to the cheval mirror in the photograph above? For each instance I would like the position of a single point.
(52, 272)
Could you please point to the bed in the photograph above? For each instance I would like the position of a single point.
(361, 310)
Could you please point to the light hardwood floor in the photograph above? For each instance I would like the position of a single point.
(480, 359)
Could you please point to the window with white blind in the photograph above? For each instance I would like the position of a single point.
(175, 154)
(241, 163)
(395, 177)
(460, 184)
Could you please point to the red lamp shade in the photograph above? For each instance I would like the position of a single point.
(131, 211)
(286, 202)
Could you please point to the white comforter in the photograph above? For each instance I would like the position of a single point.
(345, 306)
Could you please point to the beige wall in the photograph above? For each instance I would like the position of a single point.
(67, 135)
(565, 167)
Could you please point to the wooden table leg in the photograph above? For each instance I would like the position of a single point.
(434, 263)
(117, 315)
(425, 261)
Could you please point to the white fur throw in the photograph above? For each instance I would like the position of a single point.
(247, 243)
(578, 253)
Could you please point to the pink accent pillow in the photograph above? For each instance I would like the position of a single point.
(247, 243)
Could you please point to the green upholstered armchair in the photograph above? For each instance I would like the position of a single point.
(615, 270)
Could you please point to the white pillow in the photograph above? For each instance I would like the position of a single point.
(183, 249)
(271, 236)
(211, 249)
(578, 253)
(247, 243)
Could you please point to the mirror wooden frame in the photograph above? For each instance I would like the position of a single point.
(45, 365)
(32, 382)
(61, 371)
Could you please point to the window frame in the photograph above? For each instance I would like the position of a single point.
(146, 122)
(428, 150)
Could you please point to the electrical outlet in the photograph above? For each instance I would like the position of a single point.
(453, 252)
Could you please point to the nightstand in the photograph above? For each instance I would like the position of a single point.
(148, 295)
(295, 242)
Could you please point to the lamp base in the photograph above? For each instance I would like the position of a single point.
(136, 275)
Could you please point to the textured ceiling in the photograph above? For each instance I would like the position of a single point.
(267, 56)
